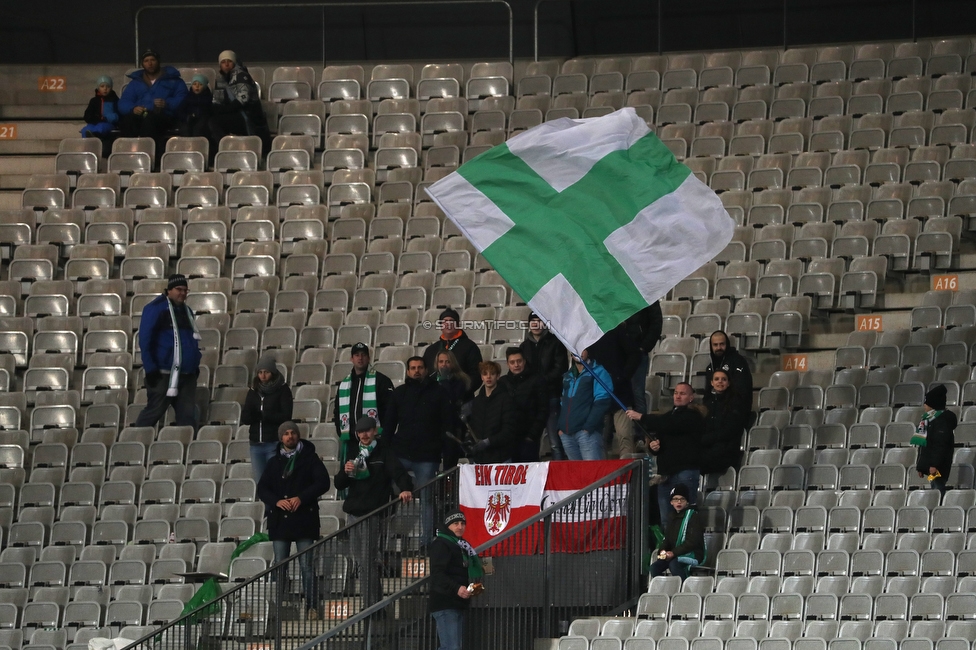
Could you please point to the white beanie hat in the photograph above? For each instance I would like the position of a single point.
(227, 54)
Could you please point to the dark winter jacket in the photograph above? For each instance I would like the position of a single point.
(195, 106)
(468, 356)
(531, 402)
(169, 86)
(384, 392)
(939, 444)
(740, 377)
(448, 573)
(620, 355)
(265, 413)
(584, 400)
(546, 358)
(103, 109)
(237, 92)
(458, 396)
(308, 482)
(493, 418)
(419, 414)
(680, 432)
(156, 338)
(375, 491)
(694, 541)
(721, 443)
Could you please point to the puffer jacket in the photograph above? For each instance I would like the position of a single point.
(169, 87)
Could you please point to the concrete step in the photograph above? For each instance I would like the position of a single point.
(26, 165)
(49, 130)
(14, 181)
(9, 200)
(64, 112)
(25, 146)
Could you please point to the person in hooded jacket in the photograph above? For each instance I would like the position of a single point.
(290, 487)
(149, 101)
(268, 404)
(102, 114)
(194, 111)
(935, 439)
(724, 356)
(721, 443)
(237, 106)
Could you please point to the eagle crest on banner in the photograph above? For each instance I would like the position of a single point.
(498, 510)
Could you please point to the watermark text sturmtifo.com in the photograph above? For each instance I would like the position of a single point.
(483, 324)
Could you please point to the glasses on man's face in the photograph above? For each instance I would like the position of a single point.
(679, 500)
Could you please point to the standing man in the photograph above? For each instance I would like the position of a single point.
(364, 393)
(290, 487)
(935, 439)
(369, 476)
(531, 403)
(727, 358)
(455, 573)
(169, 340)
(237, 105)
(149, 101)
(584, 403)
(676, 442)
(645, 327)
(619, 354)
(546, 357)
(455, 340)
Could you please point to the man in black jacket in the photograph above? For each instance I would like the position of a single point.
(454, 570)
(492, 419)
(935, 439)
(546, 357)
(419, 415)
(454, 339)
(676, 442)
(369, 477)
(727, 358)
(364, 393)
(290, 487)
(531, 401)
(684, 539)
(645, 327)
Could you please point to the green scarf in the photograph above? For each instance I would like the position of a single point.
(920, 437)
(470, 559)
(367, 407)
(362, 468)
(174, 373)
(682, 532)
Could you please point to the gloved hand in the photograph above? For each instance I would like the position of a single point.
(480, 446)
(152, 378)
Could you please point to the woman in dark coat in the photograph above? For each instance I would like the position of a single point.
(452, 379)
(267, 405)
(724, 425)
(935, 439)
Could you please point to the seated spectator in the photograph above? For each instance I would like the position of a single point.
(102, 114)
(194, 110)
(684, 539)
(267, 406)
(935, 439)
(722, 440)
(492, 419)
(149, 101)
(237, 105)
(584, 402)
(531, 401)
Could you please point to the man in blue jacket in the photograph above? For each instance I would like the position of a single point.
(584, 402)
(171, 356)
(149, 101)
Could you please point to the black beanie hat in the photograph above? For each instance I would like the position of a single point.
(936, 397)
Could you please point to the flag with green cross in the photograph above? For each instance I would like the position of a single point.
(588, 220)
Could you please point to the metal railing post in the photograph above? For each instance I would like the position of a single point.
(546, 582)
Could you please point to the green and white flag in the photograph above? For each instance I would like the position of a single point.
(588, 220)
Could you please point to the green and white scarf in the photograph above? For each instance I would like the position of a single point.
(174, 373)
(920, 437)
(687, 558)
(362, 467)
(470, 558)
(367, 407)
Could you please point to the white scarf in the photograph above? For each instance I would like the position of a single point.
(174, 373)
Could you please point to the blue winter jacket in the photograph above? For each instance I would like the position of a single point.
(584, 400)
(156, 339)
(170, 86)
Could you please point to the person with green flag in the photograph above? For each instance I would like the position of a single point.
(455, 573)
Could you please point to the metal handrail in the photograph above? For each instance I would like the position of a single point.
(635, 465)
(323, 6)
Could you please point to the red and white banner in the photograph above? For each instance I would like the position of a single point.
(496, 498)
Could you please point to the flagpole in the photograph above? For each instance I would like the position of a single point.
(609, 390)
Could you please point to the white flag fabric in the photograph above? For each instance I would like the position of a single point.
(588, 220)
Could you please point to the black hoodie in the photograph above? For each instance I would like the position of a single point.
(939, 444)
(740, 377)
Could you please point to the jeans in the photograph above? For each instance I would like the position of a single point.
(638, 384)
(423, 471)
(552, 429)
(282, 551)
(365, 545)
(583, 445)
(450, 628)
(185, 402)
(677, 568)
(689, 478)
(261, 453)
(940, 485)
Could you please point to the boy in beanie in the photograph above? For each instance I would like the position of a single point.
(170, 343)
(935, 439)
(290, 487)
(453, 339)
(268, 404)
(194, 111)
(102, 113)
(455, 574)
(684, 540)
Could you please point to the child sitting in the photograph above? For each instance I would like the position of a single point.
(195, 109)
(684, 540)
(102, 113)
